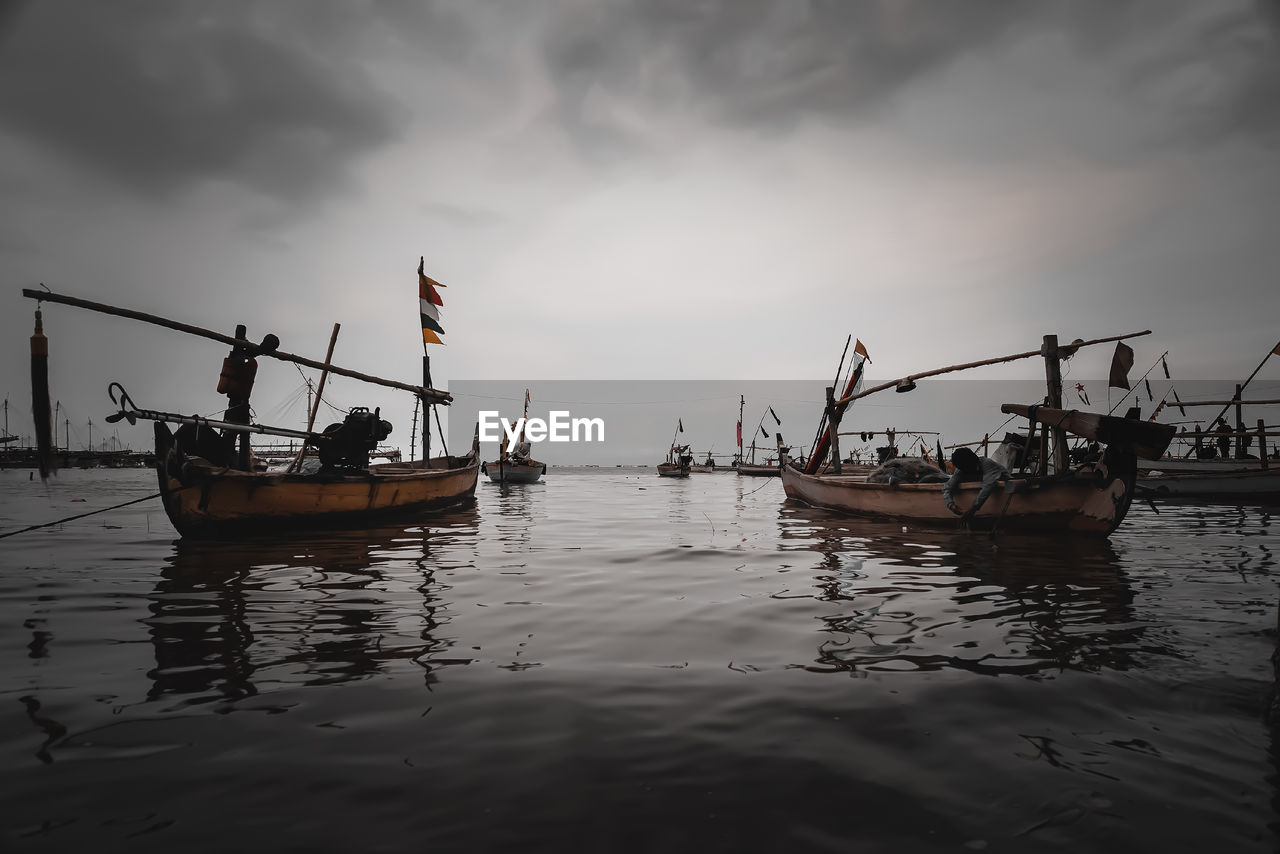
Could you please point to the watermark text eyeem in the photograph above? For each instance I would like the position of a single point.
(560, 427)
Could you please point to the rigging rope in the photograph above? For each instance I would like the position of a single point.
(82, 515)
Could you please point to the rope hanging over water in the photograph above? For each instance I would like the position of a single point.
(80, 516)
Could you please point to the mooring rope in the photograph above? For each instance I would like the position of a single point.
(80, 516)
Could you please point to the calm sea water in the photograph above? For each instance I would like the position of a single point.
(609, 661)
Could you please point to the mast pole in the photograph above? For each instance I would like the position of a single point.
(1053, 379)
(1240, 388)
(742, 402)
(313, 408)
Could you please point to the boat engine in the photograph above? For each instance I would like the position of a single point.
(347, 445)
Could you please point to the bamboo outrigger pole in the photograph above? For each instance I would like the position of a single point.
(1240, 388)
(431, 394)
(1229, 403)
(967, 365)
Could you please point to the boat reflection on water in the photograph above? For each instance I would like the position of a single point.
(320, 609)
(938, 600)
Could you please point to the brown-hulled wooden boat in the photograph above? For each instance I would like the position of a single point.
(212, 487)
(510, 470)
(1090, 499)
(205, 501)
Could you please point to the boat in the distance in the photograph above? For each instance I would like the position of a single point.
(1090, 498)
(515, 465)
(748, 467)
(679, 459)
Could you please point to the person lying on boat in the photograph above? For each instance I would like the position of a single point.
(521, 451)
(970, 467)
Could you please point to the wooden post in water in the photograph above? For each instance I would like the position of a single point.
(1239, 422)
(833, 419)
(1262, 444)
(1053, 378)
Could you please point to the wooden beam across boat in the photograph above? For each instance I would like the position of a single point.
(430, 395)
(1227, 402)
(1063, 349)
(1145, 438)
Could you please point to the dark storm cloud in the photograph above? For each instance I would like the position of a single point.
(762, 61)
(161, 95)
(767, 65)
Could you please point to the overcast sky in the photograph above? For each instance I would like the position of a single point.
(674, 189)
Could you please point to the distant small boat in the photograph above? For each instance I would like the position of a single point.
(516, 466)
(749, 470)
(679, 460)
(511, 470)
(749, 467)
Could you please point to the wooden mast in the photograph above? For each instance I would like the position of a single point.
(315, 406)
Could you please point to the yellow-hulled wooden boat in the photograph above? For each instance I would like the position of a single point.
(204, 500)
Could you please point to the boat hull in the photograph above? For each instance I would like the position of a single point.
(1240, 487)
(672, 470)
(509, 472)
(748, 470)
(1074, 504)
(204, 501)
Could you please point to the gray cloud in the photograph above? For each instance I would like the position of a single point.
(161, 95)
(1192, 72)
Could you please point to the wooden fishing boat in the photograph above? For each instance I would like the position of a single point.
(1250, 486)
(747, 465)
(515, 471)
(679, 460)
(517, 466)
(759, 470)
(211, 485)
(1224, 478)
(1089, 499)
(204, 500)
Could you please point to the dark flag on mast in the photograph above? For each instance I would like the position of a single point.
(1121, 363)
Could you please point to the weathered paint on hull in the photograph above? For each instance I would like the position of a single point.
(214, 502)
(1077, 505)
(1244, 487)
(509, 473)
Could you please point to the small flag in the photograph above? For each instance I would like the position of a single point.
(775, 416)
(764, 432)
(942, 461)
(862, 351)
(1276, 351)
(429, 303)
(1179, 403)
(739, 432)
(1147, 383)
(1084, 396)
(679, 425)
(1121, 362)
(1165, 365)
